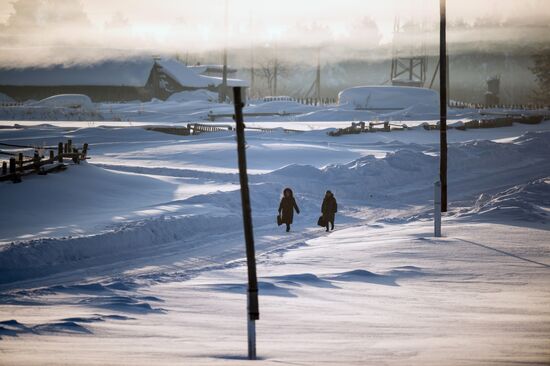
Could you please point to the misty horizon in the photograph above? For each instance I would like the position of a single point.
(65, 32)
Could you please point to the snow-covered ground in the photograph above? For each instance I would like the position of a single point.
(136, 257)
(394, 104)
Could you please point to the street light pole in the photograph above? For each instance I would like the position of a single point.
(443, 104)
(252, 293)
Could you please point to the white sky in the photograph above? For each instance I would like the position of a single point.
(177, 25)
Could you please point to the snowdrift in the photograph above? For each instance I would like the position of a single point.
(402, 178)
(74, 101)
(388, 97)
(195, 95)
(525, 202)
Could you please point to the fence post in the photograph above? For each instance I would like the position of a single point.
(60, 152)
(52, 157)
(4, 168)
(13, 171)
(252, 294)
(76, 157)
(69, 146)
(12, 166)
(437, 209)
(36, 161)
(84, 150)
(20, 161)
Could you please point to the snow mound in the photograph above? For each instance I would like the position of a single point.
(362, 275)
(266, 288)
(186, 96)
(62, 327)
(74, 101)
(526, 202)
(388, 97)
(121, 303)
(300, 279)
(279, 107)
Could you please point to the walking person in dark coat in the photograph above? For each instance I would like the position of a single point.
(329, 209)
(287, 207)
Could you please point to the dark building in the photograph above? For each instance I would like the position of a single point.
(108, 81)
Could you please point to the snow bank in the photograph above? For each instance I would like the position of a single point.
(408, 173)
(401, 178)
(526, 202)
(137, 239)
(280, 107)
(74, 101)
(387, 97)
(195, 95)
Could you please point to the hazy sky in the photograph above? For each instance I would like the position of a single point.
(53, 31)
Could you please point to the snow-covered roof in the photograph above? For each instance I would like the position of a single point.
(183, 75)
(187, 77)
(113, 73)
(120, 73)
(230, 82)
(201, 69)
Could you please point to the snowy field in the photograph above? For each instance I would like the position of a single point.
(137, 256)
(201, 105)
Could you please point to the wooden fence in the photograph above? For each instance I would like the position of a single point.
(20, 165)
(521, 107)
(360, 127)
(199, 128)
(11, 104)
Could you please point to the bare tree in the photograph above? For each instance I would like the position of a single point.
(271, 69)
(541, 69)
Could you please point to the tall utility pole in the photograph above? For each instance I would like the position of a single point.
(252, 293)
(443, 104)
(252, 71)
(316, 85)
(275, 72)
(223, 91)
(318, 76)
(251, 89)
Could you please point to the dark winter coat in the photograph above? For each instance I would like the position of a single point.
(287, 207)
(329, 208)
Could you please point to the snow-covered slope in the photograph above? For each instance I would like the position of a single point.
(139, 252)
(525, 202)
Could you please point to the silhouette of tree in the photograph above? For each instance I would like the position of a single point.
(541, 69)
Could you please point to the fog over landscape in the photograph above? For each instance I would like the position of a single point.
(355, 38)
(180, 26)
(305, 182)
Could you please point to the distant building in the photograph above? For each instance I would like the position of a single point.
(109, 81)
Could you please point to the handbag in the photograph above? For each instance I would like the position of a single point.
(321, 222)
(279, 220)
